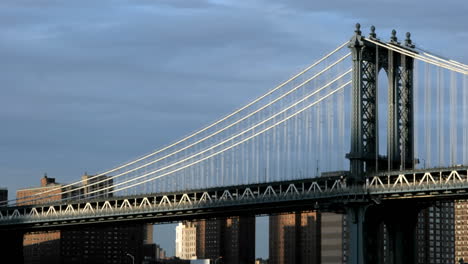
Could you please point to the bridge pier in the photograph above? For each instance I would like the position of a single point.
(355, 218)
(401, 229)
(366, 238)
(370, 242)
(11, 246)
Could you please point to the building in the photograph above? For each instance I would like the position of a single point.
(160, 252)
(41, 247)
(436, 234)
(186, 241)
(97, 186)
(81, 244)
(34, 195)
(295, 238)
(333, 238)
(232, 238)
(3, 196)
(153, 252)
(239, 240)
(210, 238)
(261, 261)
(461, 229)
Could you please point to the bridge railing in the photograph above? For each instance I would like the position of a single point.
(161, 204)
(430, 180)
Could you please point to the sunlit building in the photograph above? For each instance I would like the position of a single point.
(461, 230)
(186, 241)
(83, 244)
(295, 238)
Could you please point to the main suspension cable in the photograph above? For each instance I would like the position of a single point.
(24, 199)
(220, 143)
(417, 56)
(220, 151)
(447, 60)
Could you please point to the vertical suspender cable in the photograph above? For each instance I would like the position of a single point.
(428, 113)
(319, 137)
(341, 125)
(296, 146)
(330, 118)
(287, 130)
(465, 119)
(376, 82)
(453, 123)
(438, 117)
(440, 104)
(416, 124)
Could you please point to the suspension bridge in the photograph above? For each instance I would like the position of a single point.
(371, 129)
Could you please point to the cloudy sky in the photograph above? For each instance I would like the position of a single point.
(86, 85)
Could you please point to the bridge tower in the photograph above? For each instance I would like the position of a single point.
(368, 60)
(366, 219)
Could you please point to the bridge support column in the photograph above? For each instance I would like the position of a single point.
(355, 218)
(365, 244)
(401, 230)
(11, 246)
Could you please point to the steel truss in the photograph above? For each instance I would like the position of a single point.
(155, 206)
(436, 183)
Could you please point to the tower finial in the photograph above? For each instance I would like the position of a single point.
(394, 38)
(408, 41)
(358, 29)
(372, 33)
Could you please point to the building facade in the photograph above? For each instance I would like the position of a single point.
(186, 241)
(83, 244)
(41, 247)
(461, 230)
(295, 238)
(333, 238)
(3, 196)
(227, 240)
(209, 238)
(436, 234)
(239, 240)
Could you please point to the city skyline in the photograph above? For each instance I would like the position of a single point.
(85, 91)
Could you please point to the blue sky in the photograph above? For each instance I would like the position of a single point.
(87, 85)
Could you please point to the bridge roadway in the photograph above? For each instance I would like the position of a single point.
(323, 193)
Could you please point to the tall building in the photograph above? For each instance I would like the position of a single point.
(232, 238)
(239, 240)
(210, 238)
(333, 238)
(436, 234)
(160, 252)
(41, 247)
(103, 244)
(461, 230)
(295, 238)
(186, 241)
(83, 244)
